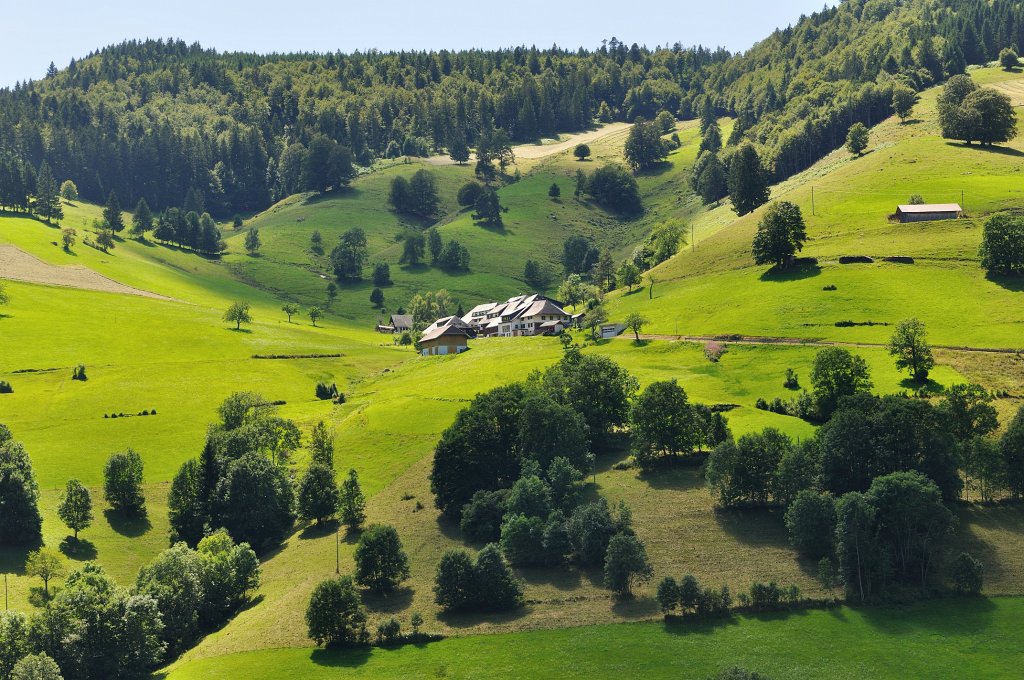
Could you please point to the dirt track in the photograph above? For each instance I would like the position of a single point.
(811, 342)
(17, 265)
(538, 151)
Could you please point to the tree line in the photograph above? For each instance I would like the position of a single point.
(272, 125)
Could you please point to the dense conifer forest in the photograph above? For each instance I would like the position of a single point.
(160, 119)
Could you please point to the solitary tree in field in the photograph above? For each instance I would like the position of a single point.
(105, 240)
(318, 493)
(910, 347)
(353, 503)
(662, 422)
(626, 564)
(335, 616)
(458, 150)
(857, 138)
(47, 564)
(68, 191)
(554, 191)
(315, 313)
(595, 317)
(75, 508)
(635, 322)
(904, 99)
(332, 293)
(571, 291)
(112, 213)
(142, 220)
(748, 181)
(1008, 59)
(316, 243)
(239, 313)
(1002, 244)
(252, 241)
(122, 483)
(381, 562)
(581, 152)
(837, 373)
(629, 275)
(291, 309)
(780, 234)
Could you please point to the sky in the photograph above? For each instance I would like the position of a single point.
(35, 33)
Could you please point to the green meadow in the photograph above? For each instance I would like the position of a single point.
(940, 639)
(179, 357)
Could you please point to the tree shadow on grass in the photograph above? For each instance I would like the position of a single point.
(341, 192)
(472, 619)
(929, 386)
(1008, 281)
(632, 607)
(80, 550)
(37, 596)
(655, 170)
(314, 531)
(449, 528)
(341, 658)
(247, 331)
(681, 478)
(12, 558)
(130, 527)
(392, 603)
(794, 273)
(999, 150)
(561, 577)
(955, 615)
(985, 519)
(692, 625)
(753, 526)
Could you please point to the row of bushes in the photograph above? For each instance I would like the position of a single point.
(143, 412)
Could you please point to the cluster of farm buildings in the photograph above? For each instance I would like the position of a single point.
(523, 315)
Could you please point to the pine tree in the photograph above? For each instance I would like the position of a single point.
(112, 214)
(47, 204)
(142, 220)
(252, 241)
(353, 504)
(748, 182)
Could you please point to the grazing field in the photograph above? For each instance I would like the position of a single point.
(715, 288)
(179, 357)
(943, 639)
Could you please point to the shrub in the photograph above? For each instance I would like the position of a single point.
(78, 373)
(5, 387)
(468, 193)
(792, 380)
(713, 351)
(389, 632)
(626, 564)
(668, 594)
(615, 188)
(522, 539)
(968, 574)
(325, 391)
(766, 596)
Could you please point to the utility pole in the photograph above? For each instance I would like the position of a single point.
(337, 549)
(693, 244)
(812, 201)
(962, 200)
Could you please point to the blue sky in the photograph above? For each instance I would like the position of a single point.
(34, 33)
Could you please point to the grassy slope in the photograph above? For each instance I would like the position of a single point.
(716, 289)
(940, 639)
(182, 360)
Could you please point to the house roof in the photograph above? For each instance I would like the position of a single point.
(436, 332)
(401, 320)
(544, 306)
(931, 208)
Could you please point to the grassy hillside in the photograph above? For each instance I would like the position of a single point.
(943, 639)
(179, 357)
(716, 289)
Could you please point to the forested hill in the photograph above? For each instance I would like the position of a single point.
(162, 119)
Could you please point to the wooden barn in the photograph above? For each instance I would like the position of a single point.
(928, 212)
